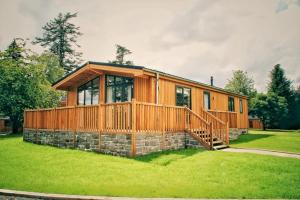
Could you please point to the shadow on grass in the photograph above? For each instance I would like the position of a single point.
(250, 137)
(11, 135)
(165, 158)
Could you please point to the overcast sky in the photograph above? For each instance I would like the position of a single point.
(194, 39)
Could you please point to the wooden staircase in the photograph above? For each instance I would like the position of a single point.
(208, 130)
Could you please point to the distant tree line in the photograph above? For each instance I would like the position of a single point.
(279, 107)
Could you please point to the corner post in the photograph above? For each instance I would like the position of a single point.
(133, 127)
(75, 125)
(54, 123)
(227, 133)
(100, 127)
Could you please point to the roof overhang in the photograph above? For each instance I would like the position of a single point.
(90, 70)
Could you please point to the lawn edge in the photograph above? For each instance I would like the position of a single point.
(287, 152)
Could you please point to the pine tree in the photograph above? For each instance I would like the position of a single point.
(282, 86)
(120, 54)
(60, 36)
(279, 84)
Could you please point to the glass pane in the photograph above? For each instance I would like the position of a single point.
(109, 95)
(80, 97)
(119, 80)
(127, 96)
(110, 80)
(179, 96)
(241, 105)
(118, 93)
(95, 83)
(187, 97)
(206, 101)
(88, 94)
(95, 97)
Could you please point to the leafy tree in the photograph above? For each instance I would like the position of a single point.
(60, 36)
(120, 54)
(269, 108)
(241, 83)
(52, 70)
(23, 84)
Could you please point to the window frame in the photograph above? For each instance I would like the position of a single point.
(231, 107)
(209, 99)
(84, 89)
(114, 85)
(183, 89)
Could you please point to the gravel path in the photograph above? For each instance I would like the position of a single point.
(263, 152)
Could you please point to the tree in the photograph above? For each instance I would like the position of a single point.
(120, 54)
(52, 70)
(269, 108)
(23, 84)
(279, 84)
(282, 86)
(60, 36)
(241, 83)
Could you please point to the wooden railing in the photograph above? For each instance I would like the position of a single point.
(226, 116)
(127, 117)
(159, 118)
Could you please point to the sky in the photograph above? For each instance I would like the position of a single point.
(194, 39)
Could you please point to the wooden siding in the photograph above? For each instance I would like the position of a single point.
(145, 91)
(255, 123)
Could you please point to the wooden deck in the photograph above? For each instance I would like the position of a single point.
(133, 118)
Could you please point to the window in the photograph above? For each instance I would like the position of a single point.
(118, 89)
(241, 105)
(88, 93)
(231, 104)
(183, 96)
(206, 100)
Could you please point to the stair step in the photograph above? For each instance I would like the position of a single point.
(218, 147)
(217, 142)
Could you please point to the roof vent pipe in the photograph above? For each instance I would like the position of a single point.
(212, 81)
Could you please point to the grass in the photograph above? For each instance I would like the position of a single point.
(187, 173)
(279, 140)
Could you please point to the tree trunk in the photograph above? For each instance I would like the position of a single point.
(15, 126)
(264, 126)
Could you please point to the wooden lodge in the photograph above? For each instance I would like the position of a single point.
(110, 100)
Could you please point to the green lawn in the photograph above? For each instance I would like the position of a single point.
(278, 140)
(185, 173)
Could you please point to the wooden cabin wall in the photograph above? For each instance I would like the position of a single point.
(144, 89)
(72, 97)
(219, 101)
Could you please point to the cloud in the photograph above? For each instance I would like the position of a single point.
(194, 39)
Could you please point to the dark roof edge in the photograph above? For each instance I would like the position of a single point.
(195, 82)
(97, 63)
(150, 70)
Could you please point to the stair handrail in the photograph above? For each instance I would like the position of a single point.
(206, 122)
(214, 117)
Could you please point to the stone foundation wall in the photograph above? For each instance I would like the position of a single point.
(234, 133)
(114, 144)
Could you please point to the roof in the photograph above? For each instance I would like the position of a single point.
(149, 70)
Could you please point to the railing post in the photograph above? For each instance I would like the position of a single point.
(133, 127)
(100, 123)
(75, 126)
(211, 135)
(227, 133)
